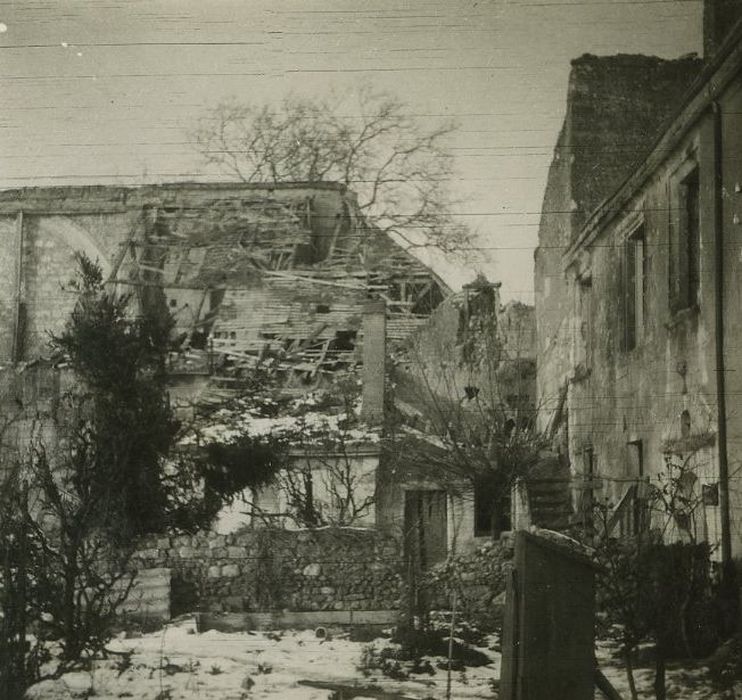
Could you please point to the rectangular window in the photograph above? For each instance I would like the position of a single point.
(685, 244)
(634, 289)
(636, 459)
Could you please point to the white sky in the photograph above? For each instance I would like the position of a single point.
(106, 91)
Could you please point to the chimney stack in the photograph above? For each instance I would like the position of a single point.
(719, 16)
(374, 360)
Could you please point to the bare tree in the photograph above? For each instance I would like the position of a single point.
(399, 168)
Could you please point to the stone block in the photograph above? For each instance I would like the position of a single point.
(230, 570)
(245, 539)
(312, 570)
(235, 552)
(214, 572)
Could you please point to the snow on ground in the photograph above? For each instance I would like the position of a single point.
(179, 664)
(176, 664)
(685, 680)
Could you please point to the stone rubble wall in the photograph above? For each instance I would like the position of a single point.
(271, 569)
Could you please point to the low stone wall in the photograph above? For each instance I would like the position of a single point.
(326, 569)
(149, 597)
(479, 579)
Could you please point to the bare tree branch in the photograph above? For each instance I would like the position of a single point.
(398, 166)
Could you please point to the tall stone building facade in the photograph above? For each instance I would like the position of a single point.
(639, 351)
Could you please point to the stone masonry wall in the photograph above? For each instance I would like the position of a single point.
(266, 570)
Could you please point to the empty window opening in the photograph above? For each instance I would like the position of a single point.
(685, 424)
(344, 340)
(491, 508)
(710, 494)
(340, 350)
(634, 290)
(636, 458)
(685, 245)
(216, 296)
(199, 340)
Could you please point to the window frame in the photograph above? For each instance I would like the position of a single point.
(634, 279)
(684, 249)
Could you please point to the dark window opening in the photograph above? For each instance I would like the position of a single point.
(337, 355)
(199, 340)
(685, 245)
(344, 340)
(491, 508)
(323, 308)
(638, 516)
(428, 300)
(634, 289)
(685, 424)
(710, 494)
(216, 296)
(173, 302)
(693, 236)
(636, 458)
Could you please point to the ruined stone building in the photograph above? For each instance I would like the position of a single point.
(638, 282)
(218, 253)
(467, 375)
(288, 277)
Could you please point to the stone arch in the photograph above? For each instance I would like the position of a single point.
(75, 237)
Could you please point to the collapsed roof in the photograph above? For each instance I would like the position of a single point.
(246, 269)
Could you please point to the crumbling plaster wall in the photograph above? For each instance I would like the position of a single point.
(731, 167)
(616, 106)
(270, 505)
(641, 394)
